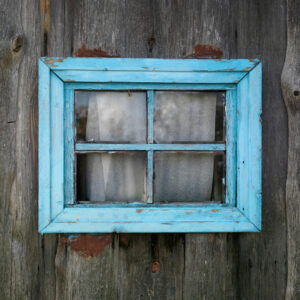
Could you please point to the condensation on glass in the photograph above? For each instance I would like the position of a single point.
(180, 117)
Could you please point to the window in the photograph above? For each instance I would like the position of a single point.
(149, 145)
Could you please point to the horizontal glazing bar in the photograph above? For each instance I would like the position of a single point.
(148, 147)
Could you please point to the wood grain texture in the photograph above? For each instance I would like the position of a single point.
(260, 33)
(158, 266)
(290, 82)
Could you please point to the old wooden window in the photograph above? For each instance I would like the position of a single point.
(149, 145)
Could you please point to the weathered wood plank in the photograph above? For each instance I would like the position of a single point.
(151, 266)
(86, 267)
(290, 82)
(21, 255)
(179, 26)
(262, 257)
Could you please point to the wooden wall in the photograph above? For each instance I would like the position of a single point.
(262, 265)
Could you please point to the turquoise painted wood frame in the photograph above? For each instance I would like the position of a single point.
(60, 77)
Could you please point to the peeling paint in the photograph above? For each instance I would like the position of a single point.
(52, 60)
(96, 52)
(87, 245)
(205, 51)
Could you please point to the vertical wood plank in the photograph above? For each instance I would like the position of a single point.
(86, 267)
(290, 82)
(262, 257)
(151, 266)
(21, 246)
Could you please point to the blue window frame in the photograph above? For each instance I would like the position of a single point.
(60, 78)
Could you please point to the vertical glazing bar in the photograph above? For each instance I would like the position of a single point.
(150, 113)
(150, 177)
(150, 108)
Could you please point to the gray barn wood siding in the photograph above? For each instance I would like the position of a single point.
(149, 266)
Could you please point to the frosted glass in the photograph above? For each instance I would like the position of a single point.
(182, 117)
(111, 177)
(111, 117)
(188, 177)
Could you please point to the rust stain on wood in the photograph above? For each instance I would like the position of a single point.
(45, 12)
(96, 52)
(45, 20)
(87, 245)
(125, 240)
(205, 51)
(155, 267)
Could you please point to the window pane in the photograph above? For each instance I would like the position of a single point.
(188, 177)
(117, 176)
(111, 117)
(188, 117)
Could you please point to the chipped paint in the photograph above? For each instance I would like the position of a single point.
(139, 210)
(96, 52)
(87, 245)
(215, 210)
(205, 51)
(52, 60)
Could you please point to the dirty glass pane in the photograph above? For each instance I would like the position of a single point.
(188, 117)
(111, 117)
(188, 177)
(114, 176)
